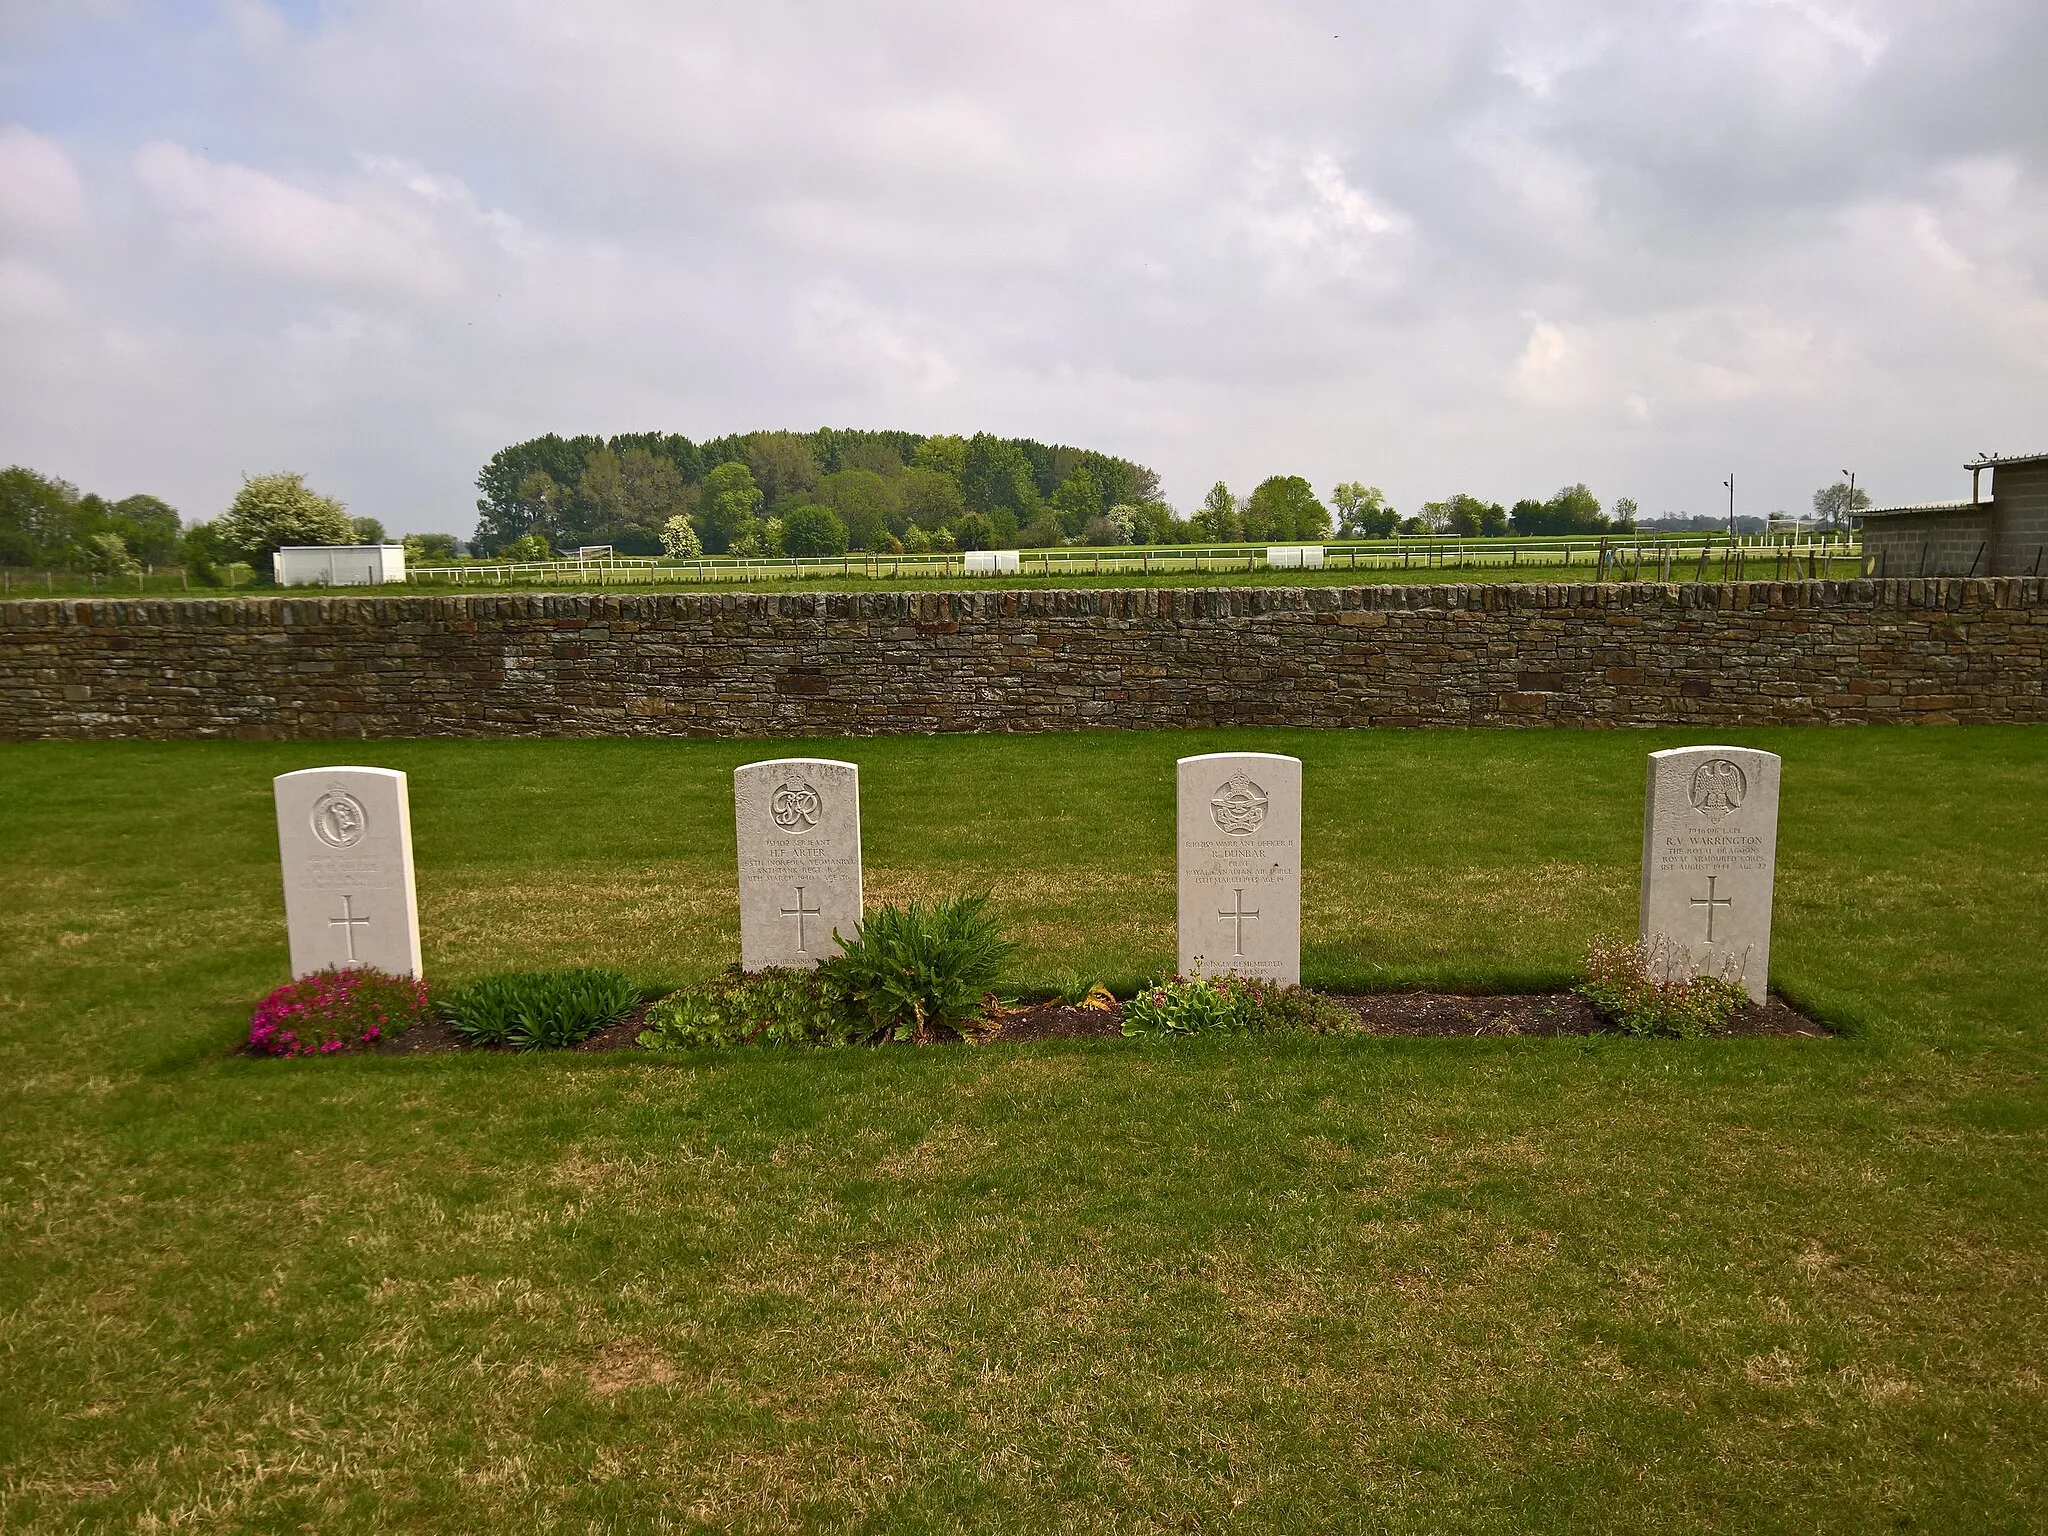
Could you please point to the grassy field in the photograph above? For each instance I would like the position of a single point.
(1763, 566)
(1292, 1285)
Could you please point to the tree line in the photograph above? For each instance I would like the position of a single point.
(808, 493)
(48, 523)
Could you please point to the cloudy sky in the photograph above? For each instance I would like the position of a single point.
(1491, 247)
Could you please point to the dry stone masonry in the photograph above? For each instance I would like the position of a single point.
(792, 664)
(1239, 865)
(1710, 858)
(344, 838)
(798, 820)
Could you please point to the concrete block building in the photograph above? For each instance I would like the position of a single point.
(2001, 530)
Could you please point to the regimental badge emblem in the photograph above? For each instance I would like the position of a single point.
(796, 806)
(1239, 806)
(339, 820)
(1718, 787)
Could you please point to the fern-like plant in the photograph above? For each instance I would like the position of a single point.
(922, 969)
(539, 1010)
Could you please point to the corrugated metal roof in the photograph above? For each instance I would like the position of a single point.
(1995, 460)
(1921, 506)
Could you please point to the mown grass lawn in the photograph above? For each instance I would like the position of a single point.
(1342, 1285)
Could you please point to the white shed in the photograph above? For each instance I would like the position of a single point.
(992, 562)
(1292, 557)
(338, 565)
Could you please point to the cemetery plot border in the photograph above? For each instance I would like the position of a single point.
(1410, 1015)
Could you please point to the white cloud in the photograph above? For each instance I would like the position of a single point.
(382, 238)
(40, 192)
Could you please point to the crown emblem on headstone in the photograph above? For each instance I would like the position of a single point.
(339, 820)
(795, 806)
(1239, 806)
(1718, 786)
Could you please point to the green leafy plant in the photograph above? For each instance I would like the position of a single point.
(1232, 1005)
(1650, 989)
(771, 1007)
(912, 972)
(539, 1010)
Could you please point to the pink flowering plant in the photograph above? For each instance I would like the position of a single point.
(336, 1010)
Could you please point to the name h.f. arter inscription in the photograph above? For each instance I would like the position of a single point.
(1710, 850)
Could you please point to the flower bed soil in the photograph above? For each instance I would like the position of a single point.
(1415, 1014)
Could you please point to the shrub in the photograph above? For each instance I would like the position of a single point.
(1233, 1005)
(679, 539)
(911, 971)
(273, 510)
(1651, 990)
(771, 1007)
(539, 1010)
(813, 530)
(336, 1010)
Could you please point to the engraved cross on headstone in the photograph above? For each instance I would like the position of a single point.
(348, 922)
(1238, 917)
(800, 912)
(1711, 901)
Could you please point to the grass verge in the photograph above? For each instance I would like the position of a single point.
(1404, 1285)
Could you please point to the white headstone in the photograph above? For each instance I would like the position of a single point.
(1240, 865)
(344, 836)
(798, 820)
(1710, 854)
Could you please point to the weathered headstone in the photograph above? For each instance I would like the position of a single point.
(798, 820)
(1240, 865)
(1710, 854)
(344, 837)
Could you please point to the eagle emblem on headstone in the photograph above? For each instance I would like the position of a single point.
(795, 806)
(1718, 787)
(339, 820)
(1239, 806)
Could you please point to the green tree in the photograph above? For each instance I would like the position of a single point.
(149, 527)
(271, 511)
(1218, 519)
(426, 548)
(813, 530)
(1362, 511)
(944, 453)
(1285, 508)
(366, 530)
(976, 530)
(997, 476)
(864, 502)
(782, 463)
(1471, 518)
(728, 508)
(507, 509)
(39, 519)
(1834, 505)
(1573, 510)
(1625, 511)
(931, 498)
(201, 553)
(1077, 501)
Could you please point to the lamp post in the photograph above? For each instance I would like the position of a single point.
(1730, 483)
(1849, 512)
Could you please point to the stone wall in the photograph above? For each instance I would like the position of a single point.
(1026, 660)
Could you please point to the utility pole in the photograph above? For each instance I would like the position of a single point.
(1730, 483)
